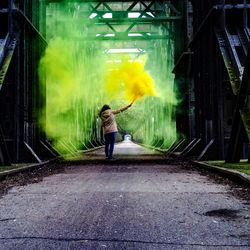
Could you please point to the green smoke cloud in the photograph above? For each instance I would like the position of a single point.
(74, 72)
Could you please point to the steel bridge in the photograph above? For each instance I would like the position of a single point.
(197, 51)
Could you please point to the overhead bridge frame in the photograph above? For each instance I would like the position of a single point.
(212, 69)
(21, 102)
(161, 13)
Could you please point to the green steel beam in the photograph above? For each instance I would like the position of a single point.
(137, 20)
(122, 38)
(4, 155)
(7, 60)
(21, 17)
(119, 13)
(211, 15)
(120, 17)
(93, 1)
(241, 121)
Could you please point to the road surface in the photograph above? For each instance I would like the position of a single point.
(138, 205)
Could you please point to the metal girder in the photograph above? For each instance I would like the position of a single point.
(4, 156)
(140, 16)
(94, 1)
(140, 20)
(7, 59)
(20, 16)
(3, 45)
(239, 76)
(23, 18)
(241, 120)
(233, 73)
(211, 13)
(20, 98)
(182, 60)
(124, 37)
(232, 6)
(149, 13)
(240, 130)
(212, 73)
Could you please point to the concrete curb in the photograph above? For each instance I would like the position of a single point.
(27, 168)
(233, 174)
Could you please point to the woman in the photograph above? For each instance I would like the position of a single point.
(110, 127)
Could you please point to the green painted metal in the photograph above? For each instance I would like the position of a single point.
(7, 59)
(233, 76)
(245, 116)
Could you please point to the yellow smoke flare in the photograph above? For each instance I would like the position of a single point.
(130, 81)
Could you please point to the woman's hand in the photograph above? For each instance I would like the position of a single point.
(130, 105)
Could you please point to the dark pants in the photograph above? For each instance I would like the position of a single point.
(109, 144)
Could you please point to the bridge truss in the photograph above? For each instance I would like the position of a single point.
(211, 57)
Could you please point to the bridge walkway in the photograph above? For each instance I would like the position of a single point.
(134, 204)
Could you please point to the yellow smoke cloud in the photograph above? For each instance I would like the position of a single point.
(130, 80)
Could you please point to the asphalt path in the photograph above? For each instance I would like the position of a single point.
(124, 206)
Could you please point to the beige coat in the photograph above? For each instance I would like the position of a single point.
(108, 120)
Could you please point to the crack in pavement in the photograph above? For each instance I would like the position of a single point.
(124, 241)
